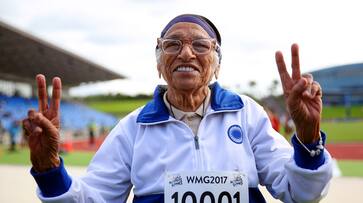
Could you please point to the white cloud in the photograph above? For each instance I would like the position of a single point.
(121, 35)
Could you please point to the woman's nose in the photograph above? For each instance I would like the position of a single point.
(186, 53)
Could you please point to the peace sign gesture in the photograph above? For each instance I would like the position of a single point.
(302, 97)
(42, 127)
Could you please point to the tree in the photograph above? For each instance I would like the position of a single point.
(252, 85)
(272, 89)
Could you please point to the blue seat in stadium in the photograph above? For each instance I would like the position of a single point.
(74, 116)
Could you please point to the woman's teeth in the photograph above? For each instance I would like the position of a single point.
(185, 69)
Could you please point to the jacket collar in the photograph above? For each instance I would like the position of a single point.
(156, 111)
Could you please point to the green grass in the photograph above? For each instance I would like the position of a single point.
(351, 131)
(18, 157)
(339, 112)
(118, 108)
(22, 157)
(351, 168)
(77, 158)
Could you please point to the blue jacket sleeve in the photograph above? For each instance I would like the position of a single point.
(302, 156)
(54, 182)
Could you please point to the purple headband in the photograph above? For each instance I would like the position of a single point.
(191, 19)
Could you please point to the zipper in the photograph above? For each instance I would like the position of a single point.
(199, 159)
(200, 165)
(196, 142)
(198, 154)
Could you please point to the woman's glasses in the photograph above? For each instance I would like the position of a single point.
(198, 46)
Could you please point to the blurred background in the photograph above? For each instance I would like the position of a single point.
(104, 53)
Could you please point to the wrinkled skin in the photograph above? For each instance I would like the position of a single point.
(187, 90)
(302, 97)
(43, 126)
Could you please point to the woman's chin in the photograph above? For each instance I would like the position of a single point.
(186, 85)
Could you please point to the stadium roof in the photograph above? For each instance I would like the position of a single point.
(341, 79)
(22, 56)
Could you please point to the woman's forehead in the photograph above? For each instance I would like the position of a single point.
(186, 30)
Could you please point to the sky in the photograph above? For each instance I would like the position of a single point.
(121, 36)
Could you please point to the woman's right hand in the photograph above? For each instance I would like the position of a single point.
(43, 127)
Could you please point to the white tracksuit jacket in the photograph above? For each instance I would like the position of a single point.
(235, 134)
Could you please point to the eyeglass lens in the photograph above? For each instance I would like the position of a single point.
(200, 46)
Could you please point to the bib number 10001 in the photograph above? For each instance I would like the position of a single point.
(223, 197)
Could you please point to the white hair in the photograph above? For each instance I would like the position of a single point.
(158, 54)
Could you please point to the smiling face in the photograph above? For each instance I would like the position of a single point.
(187, 71)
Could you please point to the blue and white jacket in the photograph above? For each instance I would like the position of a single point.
(235, 134)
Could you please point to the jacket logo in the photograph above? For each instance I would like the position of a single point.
(176, 180)
(235, 134)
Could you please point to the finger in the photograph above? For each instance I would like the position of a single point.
(308, 76)
(27, 127)
(295, 62)
(298, 89)
(44, 123)
(56, 95)
(315, 89)
(309, 79)
(37, 130)
(31, 114)
(34, 137)
(42, 93)
(281, 66)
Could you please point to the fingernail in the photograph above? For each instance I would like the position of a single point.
(38, 130)
(39, 76)
(303, 82)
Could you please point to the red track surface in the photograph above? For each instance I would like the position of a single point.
(346, 151)
(338, 151)
(83, 145)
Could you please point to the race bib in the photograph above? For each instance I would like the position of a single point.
(206, 187)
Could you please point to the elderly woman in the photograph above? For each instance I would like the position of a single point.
(191, 132)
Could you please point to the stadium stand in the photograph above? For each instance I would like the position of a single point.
(23, 56)
(342, 85)
(74, 116)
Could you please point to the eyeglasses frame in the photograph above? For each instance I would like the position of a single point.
(214, 45)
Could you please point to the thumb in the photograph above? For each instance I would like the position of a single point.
(298, 89)
(45, 124)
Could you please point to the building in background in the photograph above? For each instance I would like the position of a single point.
(342, 85)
